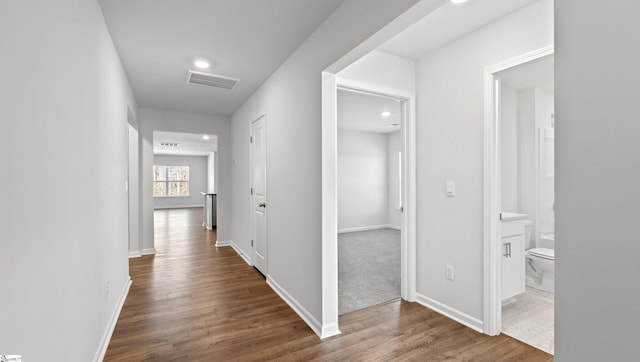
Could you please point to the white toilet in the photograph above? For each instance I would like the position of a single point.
(539, 262)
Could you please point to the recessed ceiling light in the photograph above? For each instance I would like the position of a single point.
(385, 114)
(205, 137)
(202, 64)
(458, 1)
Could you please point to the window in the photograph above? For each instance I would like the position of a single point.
(170, 181)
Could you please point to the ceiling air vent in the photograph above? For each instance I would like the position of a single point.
(211, 80)
(166, 144)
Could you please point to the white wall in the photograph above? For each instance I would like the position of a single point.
(159, 120)
(527, 183)
(362, 180)
(450, 133)
(64, 102)
(212, 175)
(597, 177)
(197, 181)
(509, 149)
(394, 146)
(291, 98)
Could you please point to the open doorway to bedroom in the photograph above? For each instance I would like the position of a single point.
(369, 179)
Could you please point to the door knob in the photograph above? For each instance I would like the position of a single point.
(262, 204)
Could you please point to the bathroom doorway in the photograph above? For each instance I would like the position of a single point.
(520, 207)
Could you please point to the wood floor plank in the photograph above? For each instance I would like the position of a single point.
(195, 302)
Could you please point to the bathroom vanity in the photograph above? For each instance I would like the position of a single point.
(512, 240)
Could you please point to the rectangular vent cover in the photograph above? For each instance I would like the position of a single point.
(166, 144)
(211, 80)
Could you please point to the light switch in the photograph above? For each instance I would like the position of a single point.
(450, 189)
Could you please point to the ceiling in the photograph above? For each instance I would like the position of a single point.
(536, 74)
(158, 41)
(447, 24)
(359, 111)
(189, 144)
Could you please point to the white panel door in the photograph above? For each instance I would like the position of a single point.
(259, 194)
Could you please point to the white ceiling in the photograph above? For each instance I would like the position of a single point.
(191, 144)
(361, 112)
(447, 24)
(158, 40)
(537, 74)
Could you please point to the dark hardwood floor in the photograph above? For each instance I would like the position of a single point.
(195, 302)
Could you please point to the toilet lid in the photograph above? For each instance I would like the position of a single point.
(543, 253)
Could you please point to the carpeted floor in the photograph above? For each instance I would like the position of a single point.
(530, 319)
(368, 268)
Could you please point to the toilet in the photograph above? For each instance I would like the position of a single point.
(539, 262)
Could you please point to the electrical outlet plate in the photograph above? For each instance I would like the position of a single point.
(449, 272)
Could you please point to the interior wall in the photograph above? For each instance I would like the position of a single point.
(527, 180)
(168, 121)
(450, 114)
(212, 175)
(291, 99)
(509, 149)
(394, 146)
(362, 180)
(64, 103)
(597, 178)
(197, 181)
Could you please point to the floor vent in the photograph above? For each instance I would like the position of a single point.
(211, 80)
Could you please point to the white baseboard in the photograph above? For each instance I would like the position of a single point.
(313, 323)
(135, 254)
(362, 228)
(106, 337)
(148, 251)
(176, 207)
(452, 313)
(221, 243)
(330, 330)
(394, 227)
(245, 257)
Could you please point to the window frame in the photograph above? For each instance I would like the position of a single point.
(167, 182)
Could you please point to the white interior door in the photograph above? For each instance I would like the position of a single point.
(259, 194)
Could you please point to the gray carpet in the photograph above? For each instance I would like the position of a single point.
(368, 268)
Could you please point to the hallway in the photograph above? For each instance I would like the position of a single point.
(195, 302)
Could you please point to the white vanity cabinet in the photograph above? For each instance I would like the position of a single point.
(512, 240)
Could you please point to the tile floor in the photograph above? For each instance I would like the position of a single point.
(530, 319)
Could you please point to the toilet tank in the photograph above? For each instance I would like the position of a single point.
(528, 230)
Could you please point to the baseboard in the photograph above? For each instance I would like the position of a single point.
(246, 258)
(315, 326)
(135, 254)
(394, 227)
(221, 243)
(176, 207)
(148, 251)
(362, 228)
(330, 330)
(106, 337)
(451, 313)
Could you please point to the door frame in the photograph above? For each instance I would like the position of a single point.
(492, 288)
(330, 85)
(251, 208)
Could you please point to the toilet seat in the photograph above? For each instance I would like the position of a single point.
(542, 253)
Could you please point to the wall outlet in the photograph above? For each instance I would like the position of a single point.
(106, 287)
(449, 272)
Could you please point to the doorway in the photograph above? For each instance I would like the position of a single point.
(369, 198)
(519, 241)
(258, 176)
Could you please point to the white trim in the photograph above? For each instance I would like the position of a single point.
(321, 331)
(394, 227)
(362, 228)
(221, 243)
(492, 300)
(244, 256)
(106, 336)
(451, 313)
(148, 251)
(135, 254)
(162, 207)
